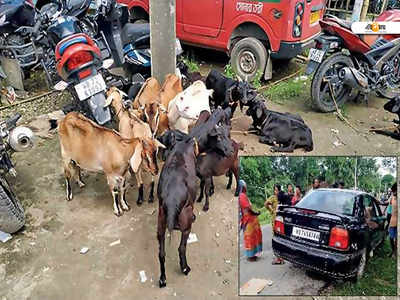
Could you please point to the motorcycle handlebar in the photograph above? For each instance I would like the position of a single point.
(12, 122)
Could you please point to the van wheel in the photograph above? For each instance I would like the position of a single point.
(362, 264)
(248, 56)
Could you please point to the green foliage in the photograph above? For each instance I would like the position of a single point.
(288, 90)
(265, 217)
(379, 277)
(229, 72)
(193, 65)
(261, 173)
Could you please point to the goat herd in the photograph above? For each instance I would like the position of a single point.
(192, 128)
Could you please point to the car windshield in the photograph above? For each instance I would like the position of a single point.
(334, 202)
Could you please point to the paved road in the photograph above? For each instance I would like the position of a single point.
(287, 279)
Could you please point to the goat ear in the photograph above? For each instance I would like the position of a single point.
(396, 107)
(258, 112)
(136, 158)
(159, 144)
(109, 100)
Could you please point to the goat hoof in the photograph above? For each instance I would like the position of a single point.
(81, 184)
(228, 187)
(186, 270)
(236, 193)
(163, 283)
(151, 199)
(118, 213)
(139, 202)
(205, 208)
(199, 199)
(126, 208)
(69, 197)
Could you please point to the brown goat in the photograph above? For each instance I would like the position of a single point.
(210, 164)
(153, 101)
(131, 126)
(86, 145)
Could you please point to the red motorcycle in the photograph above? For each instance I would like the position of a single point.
(347, 64)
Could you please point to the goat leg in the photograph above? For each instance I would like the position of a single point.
(161, 228)
(124, 204)
(115, 195)
(80, 182)
(69, 189)
(207, 191)
(289, 148)
(229, 185)
(139, 200)
(211, 192)
(202, 183)
(151, 195)
(185, 223)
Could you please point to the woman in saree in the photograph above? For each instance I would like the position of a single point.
(271, 204)
(250, 225)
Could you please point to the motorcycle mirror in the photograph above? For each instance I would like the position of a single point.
(107, 63)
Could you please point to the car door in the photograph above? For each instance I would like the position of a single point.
(202, 17)
(375, 223)
(380, 219)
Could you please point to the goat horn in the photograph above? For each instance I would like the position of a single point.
(158, 144)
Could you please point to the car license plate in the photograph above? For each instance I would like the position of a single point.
(305, 234)
(314, 17)
(90, 87)
(316, 55)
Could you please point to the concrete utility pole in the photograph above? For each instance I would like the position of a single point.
(355, 17)
(162, 38)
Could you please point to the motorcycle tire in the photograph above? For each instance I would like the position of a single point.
(317, 81)
(12, 216)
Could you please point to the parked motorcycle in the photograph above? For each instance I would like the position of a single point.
(12, 138)
(345, 64)
(18, 54)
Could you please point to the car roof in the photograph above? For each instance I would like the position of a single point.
(355, 192)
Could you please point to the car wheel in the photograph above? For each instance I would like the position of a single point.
(362, 264)
(248, 56)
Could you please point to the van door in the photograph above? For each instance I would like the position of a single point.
(202, 17)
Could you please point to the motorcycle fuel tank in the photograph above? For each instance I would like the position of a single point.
(63, 27)
(77, 8)
(16, 13)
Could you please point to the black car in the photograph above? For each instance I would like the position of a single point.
(330, 231)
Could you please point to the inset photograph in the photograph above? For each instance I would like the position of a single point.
(318, 226)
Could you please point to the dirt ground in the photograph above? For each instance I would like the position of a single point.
(43, 261)
(287, 279)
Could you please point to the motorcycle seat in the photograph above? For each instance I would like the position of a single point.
(131, 32)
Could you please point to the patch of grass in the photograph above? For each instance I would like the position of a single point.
(192, 64)
(379, 278)
(229, 72)
(288, 90)
(256, 83)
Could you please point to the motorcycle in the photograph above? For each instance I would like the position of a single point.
(13, 138)
(18, 53)
(88, 49)
(346, 64)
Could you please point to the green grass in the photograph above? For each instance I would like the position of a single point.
(379, 278)
(229, 72)
(288, 90)
(193, 65)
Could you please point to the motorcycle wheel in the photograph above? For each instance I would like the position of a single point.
(329, 70)
(12, 216)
